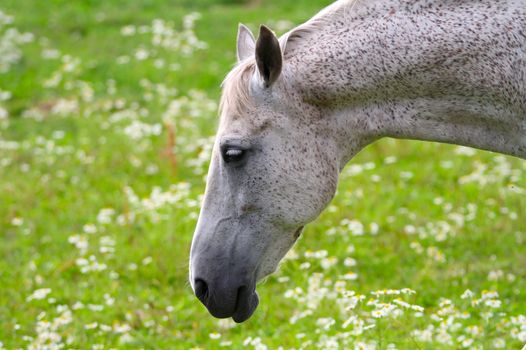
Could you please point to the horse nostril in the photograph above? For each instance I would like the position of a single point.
(201, 290)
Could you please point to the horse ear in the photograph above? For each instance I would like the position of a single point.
(268, 56)
(245, 43)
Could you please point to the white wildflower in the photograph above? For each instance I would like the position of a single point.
(349, 262)
(214, 335)
(17, 221)
(89, 228)
(91, 325)
(105, 215)
(467, 294)
(39, 294)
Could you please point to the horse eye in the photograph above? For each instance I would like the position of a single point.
(231, 155)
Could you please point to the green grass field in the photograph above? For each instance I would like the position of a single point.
(107, 116)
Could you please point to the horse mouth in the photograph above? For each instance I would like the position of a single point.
(247, 302)
(240, 306)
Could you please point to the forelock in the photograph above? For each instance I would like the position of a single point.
(235, 96)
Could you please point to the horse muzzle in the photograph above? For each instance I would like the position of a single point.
(227, 297)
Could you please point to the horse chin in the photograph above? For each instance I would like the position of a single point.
(248, 302)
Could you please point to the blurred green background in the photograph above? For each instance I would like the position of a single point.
(107, 116)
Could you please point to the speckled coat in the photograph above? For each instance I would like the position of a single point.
(441, 70)
(294, 111)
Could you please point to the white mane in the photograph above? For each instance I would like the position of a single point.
(236, 94)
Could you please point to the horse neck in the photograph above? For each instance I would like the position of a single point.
(452, 74)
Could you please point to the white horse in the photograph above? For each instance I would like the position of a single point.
(296, 109)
